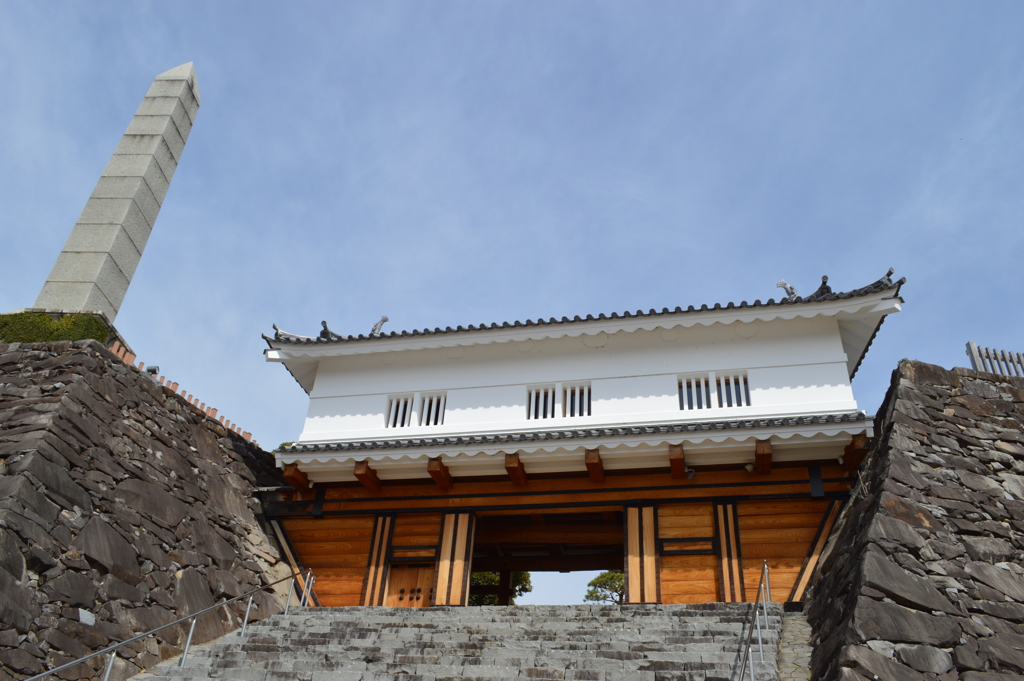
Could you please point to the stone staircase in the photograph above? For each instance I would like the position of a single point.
(566, 643)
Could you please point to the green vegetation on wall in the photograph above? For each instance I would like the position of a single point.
(38, 327)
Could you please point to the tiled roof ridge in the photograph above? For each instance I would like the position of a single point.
(823, 294)
(577, 433)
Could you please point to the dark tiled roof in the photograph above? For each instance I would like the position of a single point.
(576, 434)
(823, 294)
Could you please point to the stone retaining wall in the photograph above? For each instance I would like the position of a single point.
(122, 507)
(924, 577)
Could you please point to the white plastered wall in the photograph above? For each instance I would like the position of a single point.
(793, 366)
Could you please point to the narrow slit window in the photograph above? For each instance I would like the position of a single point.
(540, 403)
(399, 412)
(694, 393)
(432, 413)
(733, 391)
(576, 401)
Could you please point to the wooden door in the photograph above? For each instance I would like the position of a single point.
(410, 586)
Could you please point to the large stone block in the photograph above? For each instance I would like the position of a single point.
(153, 501)
(73, 588)
(100, 542)
(901, 586)
(109, 238)
(1001, 580)
(890, 622)
(55, 480)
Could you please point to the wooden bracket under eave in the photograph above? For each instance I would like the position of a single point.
(677, 460)
(367, 476)
(854, 453)
(295, 477)
(592, 457)
(515, 469)
(440, 473)
(763, 457)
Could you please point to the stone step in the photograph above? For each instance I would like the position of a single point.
(574, 643)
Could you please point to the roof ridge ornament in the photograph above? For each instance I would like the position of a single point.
(790, 291)
(376, 327)
(327, 334)
(823, 290)
(282, 335)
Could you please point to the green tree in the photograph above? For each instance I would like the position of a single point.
(520, 585)
(607, 587)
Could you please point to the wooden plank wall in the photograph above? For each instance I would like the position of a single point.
(691, 577)
(780, 532)
(337, 550)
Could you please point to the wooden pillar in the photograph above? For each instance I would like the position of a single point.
(376, 579)
(641, 536)
(454, 563)
(505, 587)
(730, 560)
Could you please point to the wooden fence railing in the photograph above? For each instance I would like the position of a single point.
(995, 361)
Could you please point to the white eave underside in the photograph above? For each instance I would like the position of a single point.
(650, 450)
(858, 319)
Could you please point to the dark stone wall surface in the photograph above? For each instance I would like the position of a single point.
(122, 507)
(923, 576)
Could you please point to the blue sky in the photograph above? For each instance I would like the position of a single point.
(467, 162)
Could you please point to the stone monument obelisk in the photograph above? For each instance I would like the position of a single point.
(94, 270)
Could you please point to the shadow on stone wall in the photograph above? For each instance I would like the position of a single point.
(924, 577)
(122, 507)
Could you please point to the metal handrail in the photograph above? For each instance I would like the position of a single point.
(764, 596)
(110, 650)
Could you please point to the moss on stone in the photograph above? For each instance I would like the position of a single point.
(38, 327)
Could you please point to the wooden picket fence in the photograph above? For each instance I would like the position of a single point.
(994, 361)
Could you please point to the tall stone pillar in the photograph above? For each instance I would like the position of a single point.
(94, 270)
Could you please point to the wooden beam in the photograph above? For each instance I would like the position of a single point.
(611, 518)
(548, 563)
(677, 460)
(538, 519)
(515, 469)
(440, 473)
(550, 534)
(367, 476)
(763, 457)
(595, 467)
(855, 452)
(295, 477)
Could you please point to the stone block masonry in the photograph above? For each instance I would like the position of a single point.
(93, 271)
(122, 507)
(924, 577)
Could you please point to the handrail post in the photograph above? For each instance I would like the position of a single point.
(307, 584)
(245, 622)
(110, 665)
(291, 588)
(767, 581)
(188, 642)
(310, 581)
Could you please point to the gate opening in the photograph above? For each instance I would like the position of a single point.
(544, 541)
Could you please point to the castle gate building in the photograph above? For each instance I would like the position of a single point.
(682, 446)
